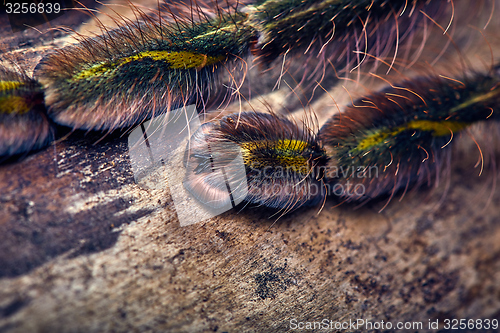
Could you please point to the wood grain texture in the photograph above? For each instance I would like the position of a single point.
(85, 249)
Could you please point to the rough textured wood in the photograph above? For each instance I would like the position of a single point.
(85, 249)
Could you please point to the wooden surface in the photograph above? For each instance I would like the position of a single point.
(85, 249)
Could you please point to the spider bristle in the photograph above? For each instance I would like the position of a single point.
(145, 68)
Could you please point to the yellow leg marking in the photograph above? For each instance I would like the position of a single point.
(9, 85)
(287, 152)
(438, 128)
(176, 60)
(477, 99)
(13, 104)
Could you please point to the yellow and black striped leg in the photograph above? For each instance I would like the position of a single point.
(24, 125)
